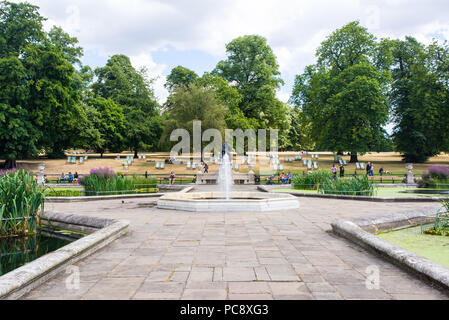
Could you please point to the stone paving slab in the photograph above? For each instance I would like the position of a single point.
(288, 255)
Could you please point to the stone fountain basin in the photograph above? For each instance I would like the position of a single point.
(216, 201)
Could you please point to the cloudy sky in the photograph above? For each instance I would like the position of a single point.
(193, 33)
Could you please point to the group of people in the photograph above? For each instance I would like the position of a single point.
(283, 178)
(70, 178)
(342, 171)
(369, 170)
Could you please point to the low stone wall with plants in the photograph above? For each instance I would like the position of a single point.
(363, 233)
(325, 183)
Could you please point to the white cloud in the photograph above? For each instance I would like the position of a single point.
(155, 72)
(293, 28)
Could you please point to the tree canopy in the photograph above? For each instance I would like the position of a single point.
(344, 96)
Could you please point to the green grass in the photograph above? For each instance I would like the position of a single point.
(397, 192)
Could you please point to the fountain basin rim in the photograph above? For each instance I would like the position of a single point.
(240, 201)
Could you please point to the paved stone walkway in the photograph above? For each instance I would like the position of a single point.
(273, 255)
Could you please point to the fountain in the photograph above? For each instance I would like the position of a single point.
(225, 176)
(225, 200)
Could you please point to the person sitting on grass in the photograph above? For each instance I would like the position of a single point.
(76, 177)
(62, 178)
(70, 177)
(172, 177)
(270, 179)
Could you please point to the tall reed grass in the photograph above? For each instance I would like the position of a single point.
(354, 186)
(20, 201)
(311, 181)
(104, 181)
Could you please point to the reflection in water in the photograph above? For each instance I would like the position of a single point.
(16, 252)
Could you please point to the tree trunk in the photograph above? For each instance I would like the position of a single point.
(354, 158)
(135, 154)
(10, 164)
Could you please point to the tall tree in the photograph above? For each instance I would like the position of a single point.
(131, 90)
(110, 122)
(192, 103)
(344, 96)
(419, 98)
(180, 77)
(251, 67)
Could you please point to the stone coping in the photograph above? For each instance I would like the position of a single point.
(215, 201)
(358, 198)
(180, 189)
(20, 281)
(363, 232)
(100, 198)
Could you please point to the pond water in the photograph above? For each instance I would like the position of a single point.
(435, 248)
(16, 252)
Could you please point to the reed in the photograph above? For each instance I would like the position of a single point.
(311, 181)
(20, 202)
(354, 186)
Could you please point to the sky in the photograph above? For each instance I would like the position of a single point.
(161, 35)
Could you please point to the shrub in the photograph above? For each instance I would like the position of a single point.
(311, 181)
(441, 225)
(20, 201)
(435, 178)
(142, 182)
(103, 181)
(355, 186)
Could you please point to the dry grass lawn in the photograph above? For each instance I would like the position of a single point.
(388, 161)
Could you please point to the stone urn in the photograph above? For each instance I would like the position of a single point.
(410, 177)
(40, 175)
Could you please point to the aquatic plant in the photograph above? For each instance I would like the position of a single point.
(354, 186)
(20, 201)
(311, 181)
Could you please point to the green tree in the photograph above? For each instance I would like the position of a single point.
(251, 67)
(192, 103)
(110, 122)
(344, 96)
(40, 100)
(20, 25)
(131, 90)
(420, 99)
(180, 77)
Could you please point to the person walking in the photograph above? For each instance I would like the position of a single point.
(368, 168)
(172, 177)
(342, 171)
(206, 168)
(334, 172)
